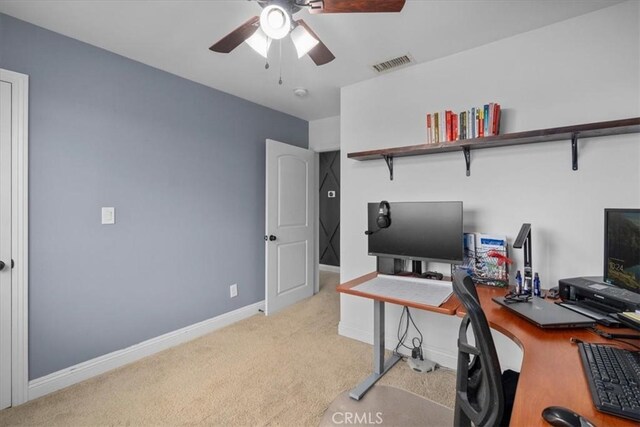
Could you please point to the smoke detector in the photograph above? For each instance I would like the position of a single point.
(300, 92)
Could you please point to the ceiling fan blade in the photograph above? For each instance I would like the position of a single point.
(355, 6)
(320, 54)
(237, 36)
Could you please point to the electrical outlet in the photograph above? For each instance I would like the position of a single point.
(233, 290)
(109, 215)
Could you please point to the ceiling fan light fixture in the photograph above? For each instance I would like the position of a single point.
(275, 21)
(303, 40)
(259, 42)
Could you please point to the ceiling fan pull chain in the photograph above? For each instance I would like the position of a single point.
(266, 58)
(280, 46)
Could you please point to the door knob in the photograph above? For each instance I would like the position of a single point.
(2, 264)
(270, 237)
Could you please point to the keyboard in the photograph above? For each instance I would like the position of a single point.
(614, 379)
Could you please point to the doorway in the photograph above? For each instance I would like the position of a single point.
(329, 210)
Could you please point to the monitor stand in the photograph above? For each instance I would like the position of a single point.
(416, 268)
(390, 266)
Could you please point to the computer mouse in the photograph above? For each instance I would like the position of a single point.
(563, 417)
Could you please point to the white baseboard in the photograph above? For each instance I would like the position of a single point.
(440, 356)
(332, 268)
(91, 368)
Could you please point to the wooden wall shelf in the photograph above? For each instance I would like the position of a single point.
(571, 133)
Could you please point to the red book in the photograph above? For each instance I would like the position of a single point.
(454, 127)
(429, 129)
(496, 119)
(480, 122)
(448, 124)
(490, 122)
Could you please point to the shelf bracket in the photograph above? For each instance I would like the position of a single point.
(467, 159)
(389, 161)
(574, 151)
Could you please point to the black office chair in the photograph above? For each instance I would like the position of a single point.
(479, 391)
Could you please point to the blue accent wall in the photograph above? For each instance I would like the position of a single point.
(184, 166)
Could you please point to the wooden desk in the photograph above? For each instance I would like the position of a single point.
(380, 365)
(551, 373)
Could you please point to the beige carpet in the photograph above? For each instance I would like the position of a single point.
(384, 405)
(284, 369)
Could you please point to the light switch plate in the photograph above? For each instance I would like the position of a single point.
(109, 215)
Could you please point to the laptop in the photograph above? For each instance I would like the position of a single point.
(545, 314)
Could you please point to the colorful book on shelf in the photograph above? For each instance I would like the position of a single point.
(496, 119)
(454, 127)
(485, 123)
(477, 122)
(473, 121)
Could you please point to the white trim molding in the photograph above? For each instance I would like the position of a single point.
(91, 368)
(19, 234)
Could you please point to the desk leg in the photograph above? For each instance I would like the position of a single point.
(379, 366)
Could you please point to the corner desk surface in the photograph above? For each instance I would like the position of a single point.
(551, 373)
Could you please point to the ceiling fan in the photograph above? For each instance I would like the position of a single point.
(277, 21)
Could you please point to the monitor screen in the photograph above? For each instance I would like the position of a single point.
(421, 231)
(622, 248)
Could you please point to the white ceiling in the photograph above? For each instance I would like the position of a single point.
(175, 36)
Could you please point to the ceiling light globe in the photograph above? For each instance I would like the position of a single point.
(275, 18)
(275, 21)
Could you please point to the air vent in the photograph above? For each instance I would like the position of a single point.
(392, 64)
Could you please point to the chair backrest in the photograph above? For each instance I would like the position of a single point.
(479, 395)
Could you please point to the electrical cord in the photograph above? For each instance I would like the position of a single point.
(512, 298)
(613, 337)
(609, 335)
(408, 320)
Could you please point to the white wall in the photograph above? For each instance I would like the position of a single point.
(582, 70)
(324, 134)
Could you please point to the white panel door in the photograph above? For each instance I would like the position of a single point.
(5, 244)
(289, 239)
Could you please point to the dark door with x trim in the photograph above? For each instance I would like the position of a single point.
(329, 208)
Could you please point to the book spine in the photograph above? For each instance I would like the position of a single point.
(463, 125)
(436, 127)
(454, 127)
(486, 120)
(474, 120)
(496, 119)
(468, 124)
(429, 129)
(448, 124)
(480, 122)
(491, 104)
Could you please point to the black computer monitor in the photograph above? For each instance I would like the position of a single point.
(419, 231)
(622, 248)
